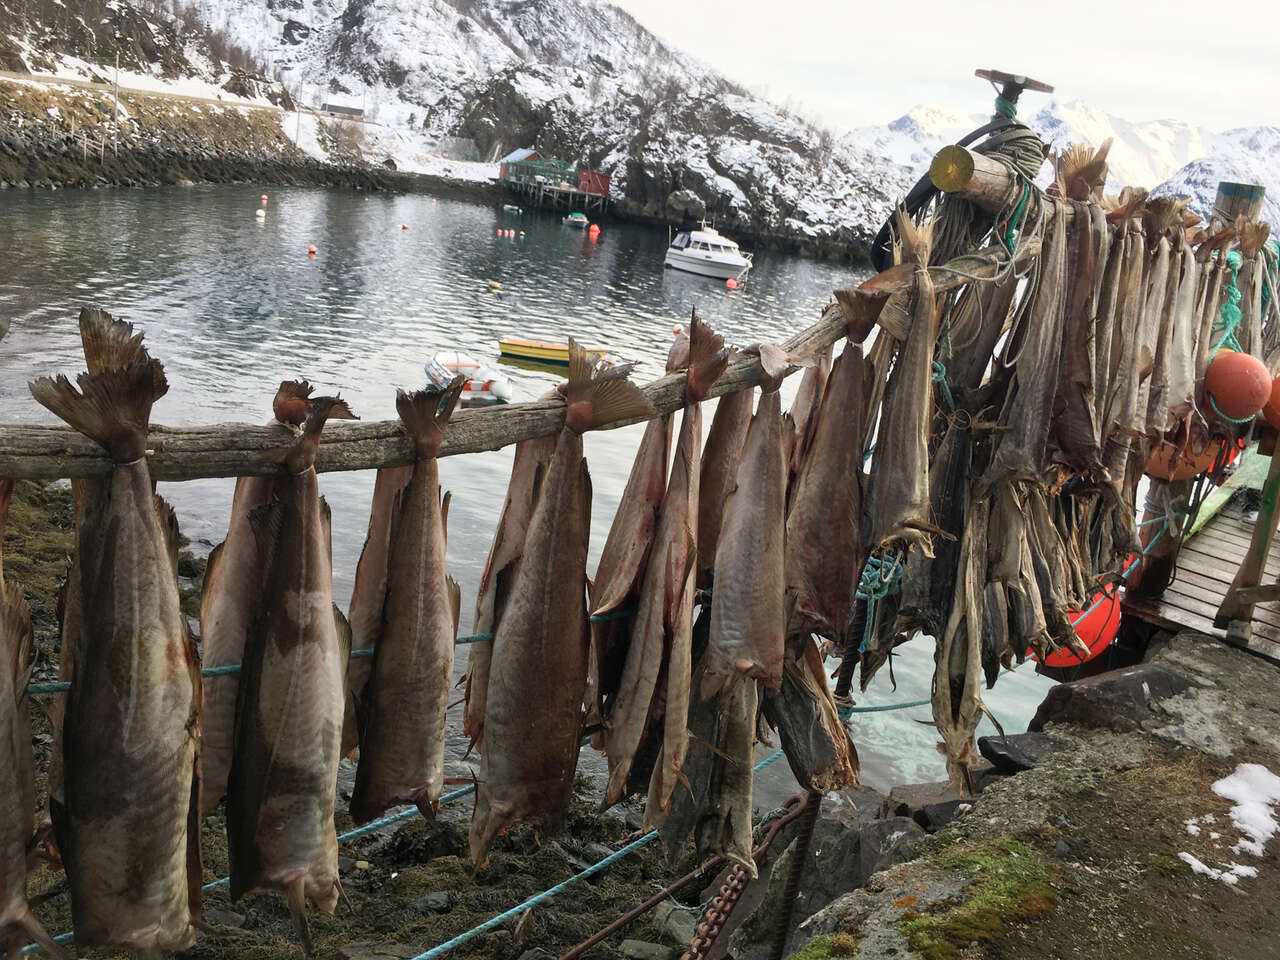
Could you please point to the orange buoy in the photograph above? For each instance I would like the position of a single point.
(1272, 410)
(404, 226)
(731, 283)
(264, 199)
(311, 250)
(594, 228)
(1096, 628)
(1236, 386)
(1165, 464)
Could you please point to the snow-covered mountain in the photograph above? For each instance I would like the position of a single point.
(1246, 155)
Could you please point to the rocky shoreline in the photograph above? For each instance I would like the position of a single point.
(1080, 834)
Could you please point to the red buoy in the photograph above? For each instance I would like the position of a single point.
(731, 283)
(1096, 629)
(1272, 410)
(1237, 385)
(404, 226)
(311, 250)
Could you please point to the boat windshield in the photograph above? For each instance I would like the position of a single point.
(681, 241)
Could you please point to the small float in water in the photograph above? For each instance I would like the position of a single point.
(511, 208)
(578, 220)
(485, 386)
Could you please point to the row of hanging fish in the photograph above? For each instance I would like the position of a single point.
(1015, 417)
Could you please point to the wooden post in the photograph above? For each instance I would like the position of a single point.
(1236, 613)
(1235, 200)
(975, 176)
(1170, 500)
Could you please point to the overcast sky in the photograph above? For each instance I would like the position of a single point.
(850, 64)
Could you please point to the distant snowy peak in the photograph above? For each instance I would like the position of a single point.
(1246, 155)
(1142, 154)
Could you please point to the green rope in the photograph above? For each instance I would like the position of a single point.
(1015, 222)
(1005, 108)
(1229, 315)
(880, 577)
(940, 378)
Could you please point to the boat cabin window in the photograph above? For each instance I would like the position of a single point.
(681, 241)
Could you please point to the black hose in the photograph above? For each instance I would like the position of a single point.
(808, 820)
(924, 190)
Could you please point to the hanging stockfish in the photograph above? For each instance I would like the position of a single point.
(1074, 437)
(229, 602)
(824, 538)
(663, 624)
(720, 459)
(615, 590)
(17, 776)
(532, 726)
(1123, 422)
(401, 710)
(1034, 351)
(369, 593)
(289, 708)
(956, 697)
(129, 829)
(1107, 350)
(1080, 171)
(898, 504)
(748, 628)
(1180, 396)
(532, 457)
(816, 743)
(1250, 283)
(803, 413)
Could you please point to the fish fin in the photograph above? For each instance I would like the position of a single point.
(455, 601)
(917, 238)
(33, 929)
(426, 413)
(112, 407)
(326, 526)
(210, 577)
(266, 522)
(444, 514)
(195, 871)
(344, 630)
(108, 342)
(592, 401)
(708, 357)
(15, 622)
(168, 521)
(291, 402)
(295, 896)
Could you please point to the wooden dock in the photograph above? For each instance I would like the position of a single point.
(1206, 565)
(554, 197)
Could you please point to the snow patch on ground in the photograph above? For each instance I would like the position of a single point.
(1255, 790)
(1230, 874)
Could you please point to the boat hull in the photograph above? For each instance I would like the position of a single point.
(697, 263)
(554, 353)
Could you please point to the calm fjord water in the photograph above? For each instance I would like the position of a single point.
(232, 305)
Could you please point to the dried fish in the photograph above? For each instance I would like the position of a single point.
(402, 709)
(288, 733)
(720, 459)
(531, 729)
(898, 502)
(228, 605)
(130, 828)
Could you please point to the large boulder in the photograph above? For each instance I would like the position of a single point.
(1017, 752)
(685, 205)
(1121, 700)
(848, 846)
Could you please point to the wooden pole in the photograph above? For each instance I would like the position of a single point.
(1236, 200)
(1236, 612)
(44, 451)
(974, 176)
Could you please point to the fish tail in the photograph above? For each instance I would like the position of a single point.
(301, 456)
(291, 402)
(295, 897)
(112, 407)
(593, 400)
(36, 931)
(917, 238)
(708, 357)
(15, 623)
(426, 413)
(108, 342)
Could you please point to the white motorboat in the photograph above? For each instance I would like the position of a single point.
(708, 252)
(484, 386)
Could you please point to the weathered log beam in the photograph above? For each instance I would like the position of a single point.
(47, 452)
(974, 176)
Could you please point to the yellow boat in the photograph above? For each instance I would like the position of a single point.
(539, 352)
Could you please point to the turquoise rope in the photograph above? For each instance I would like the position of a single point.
(878, 580)
(940, 378)
(590, 871)
(1229, 315)
(1005, 108)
